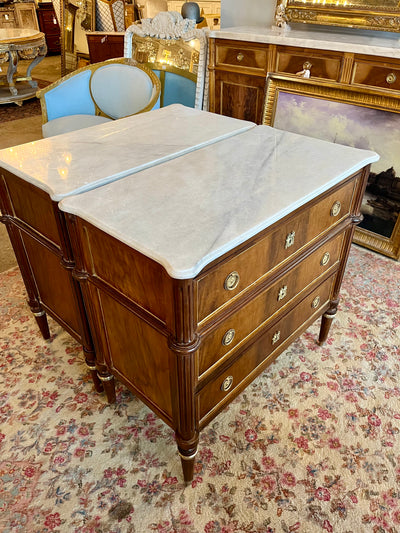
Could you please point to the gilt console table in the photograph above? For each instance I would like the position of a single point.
(35, 176)
(29, 44)
(199, 272)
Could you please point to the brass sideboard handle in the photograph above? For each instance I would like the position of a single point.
(231, 281)
(240, 57)
(290, 239)
(282, 293)
(228, 337)
(391, 78)
(335, 209)
(276, 337)
(307, 65)
(315, 303)
(325, 258)
(227, 383)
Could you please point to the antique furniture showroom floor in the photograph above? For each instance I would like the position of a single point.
(192, 263)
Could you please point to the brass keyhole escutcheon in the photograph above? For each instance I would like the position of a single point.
(335, 209)
(276, 337)
(282, 293)
(228, 337)
(325, 258)
(315, 303)
(227, 383)
(391, 78)
(231, 281)
(240, 57)
(290, 239)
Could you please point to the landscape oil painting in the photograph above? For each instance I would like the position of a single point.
(360, 127)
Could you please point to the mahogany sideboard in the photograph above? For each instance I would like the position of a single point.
(34, 177)
(199, 272)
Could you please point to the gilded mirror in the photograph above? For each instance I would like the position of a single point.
(381, 15)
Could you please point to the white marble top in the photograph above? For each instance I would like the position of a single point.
(187, 212)
(372, 44)
(75, 162)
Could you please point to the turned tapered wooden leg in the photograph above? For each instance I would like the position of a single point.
(187, 460)
(108, 383)
(326, 321)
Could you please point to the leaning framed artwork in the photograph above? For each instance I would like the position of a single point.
(355, 116)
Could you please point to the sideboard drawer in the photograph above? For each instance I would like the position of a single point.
(236, 328)
(376, 74)
(243, 57)
(225, 282)
(218, 390)
(325, 65)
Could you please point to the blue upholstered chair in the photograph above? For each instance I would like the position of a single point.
(177, 52)
(96, 94)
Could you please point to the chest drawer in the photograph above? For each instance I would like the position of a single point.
(225, 282)
(221, 389)
(374, 74)
(243, 57)
(291, 61)
(235, 329)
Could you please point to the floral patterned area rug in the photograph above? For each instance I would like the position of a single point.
(312, 445)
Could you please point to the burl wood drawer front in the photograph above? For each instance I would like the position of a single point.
(228, 280)
(244, 57)
(376, 74)
(219, 389)
(235, 329)
(292, 61)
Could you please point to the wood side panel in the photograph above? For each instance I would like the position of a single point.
(138, 278)
(137, 354)
(55, 285)
(33, 206)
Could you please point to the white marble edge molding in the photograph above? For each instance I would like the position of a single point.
(342, 42)
(78, 161)
(184, 218)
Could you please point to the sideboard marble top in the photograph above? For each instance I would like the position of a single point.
(81, 160)
(372, 44)
(191, 210)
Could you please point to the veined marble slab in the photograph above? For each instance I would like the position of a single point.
(187, 212)
(81, 160)
(375, 45)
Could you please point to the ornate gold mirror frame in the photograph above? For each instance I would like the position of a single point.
(381, 15)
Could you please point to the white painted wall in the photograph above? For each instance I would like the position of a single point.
(247, 13)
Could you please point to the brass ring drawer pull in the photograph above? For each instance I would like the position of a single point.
(307, 65)
(240, 57)
(289, 239)
(282, 293)
(335, 209)
(391, 78)
(315, 303)
(276, 337)
(231, 281)
(227, 383)
(325, 258)
(228, 337)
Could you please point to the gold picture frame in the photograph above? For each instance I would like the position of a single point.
(356, 116)
(383, 15)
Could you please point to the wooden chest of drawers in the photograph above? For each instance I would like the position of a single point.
(187, 328)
